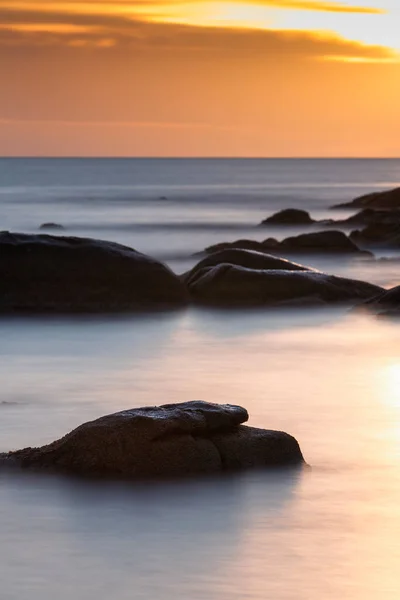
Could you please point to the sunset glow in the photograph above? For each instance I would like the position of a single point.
(209, 62)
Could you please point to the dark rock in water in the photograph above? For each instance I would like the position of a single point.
(239, 244)
(387, 199)
(331, 242)
(387, 303)
(319, 242)
(380, 233)
(364, 217)
(51, 226)
(242, 258)
(170, 440)
(44, 273)
(231, 285)
(289, 216)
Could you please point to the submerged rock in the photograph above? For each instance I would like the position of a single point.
(232, 285)
(51, 226)
(388, 199)
(168, 440)
(289, 216)
(242, 258)
(45, 273)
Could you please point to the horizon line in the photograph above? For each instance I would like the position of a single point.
(122, 157)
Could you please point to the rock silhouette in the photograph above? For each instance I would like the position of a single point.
(323, 242)
(386, 303)
(169, 440)
(66, 274)
(51, 226)
(242, 258)
(232, 285)
(387, 199)
(289, 216)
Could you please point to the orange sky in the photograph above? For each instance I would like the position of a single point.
(200, 78)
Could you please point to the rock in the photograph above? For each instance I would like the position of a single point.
(232, 285)
(385, 234)
(241, 258)
(238, 244)
(51, 226)
(321, 242)
(364, 217)
(66, 274)
(387, 199)
(331, 242)
(170, 440)
(289, 216)
(386, 303)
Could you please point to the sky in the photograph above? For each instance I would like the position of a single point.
(263, 78)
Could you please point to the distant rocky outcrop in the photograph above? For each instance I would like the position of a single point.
(50, 226)
(164, 441)
(45, 273)
(289, 216)
(233, 285)
(388, 199)
(319, 242)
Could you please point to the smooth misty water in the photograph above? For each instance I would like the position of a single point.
(329, 377)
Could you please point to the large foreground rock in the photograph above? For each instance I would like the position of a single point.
(319, 242)
(232, 285)
(388, 199)
(63, 274)
(169, 440)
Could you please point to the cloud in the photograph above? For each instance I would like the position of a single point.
(28, 24)
(316, 5)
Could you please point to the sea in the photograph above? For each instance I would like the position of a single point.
(330, 377)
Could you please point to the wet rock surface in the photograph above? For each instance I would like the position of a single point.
(169, 440)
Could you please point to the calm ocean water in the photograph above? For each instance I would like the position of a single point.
(329, 377)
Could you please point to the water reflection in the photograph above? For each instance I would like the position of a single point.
(172, 540)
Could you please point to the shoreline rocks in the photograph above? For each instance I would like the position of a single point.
(387, 199)
(45, 273)
(165, 441)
